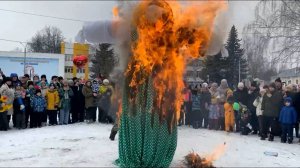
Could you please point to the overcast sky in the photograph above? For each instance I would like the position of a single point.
(22, 27)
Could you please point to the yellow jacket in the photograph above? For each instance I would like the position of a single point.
(52, 99)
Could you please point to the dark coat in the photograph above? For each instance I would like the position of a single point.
(251, 98)
(271, 106)
(241, 96)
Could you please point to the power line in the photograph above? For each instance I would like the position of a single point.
(22, 42)
(40, 15)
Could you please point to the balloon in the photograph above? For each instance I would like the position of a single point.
(236, 106)
(80, 60)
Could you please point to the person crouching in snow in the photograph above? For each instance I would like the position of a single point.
(287, 118)
(214, 114)
(19, 106)
(65, 94)
(229, 114)
(38, 104)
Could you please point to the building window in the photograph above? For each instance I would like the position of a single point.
(68, 57)
(289, 82)
(68, 69)
(80, 70)
(297, 81)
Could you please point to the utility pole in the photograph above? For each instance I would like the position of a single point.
(239, 70)
(25, 46)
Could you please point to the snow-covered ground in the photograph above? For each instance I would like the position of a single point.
(87, 145)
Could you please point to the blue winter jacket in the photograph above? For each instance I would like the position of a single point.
(288, 114)
(38, 103)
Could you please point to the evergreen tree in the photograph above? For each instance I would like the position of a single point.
(104, 61)
(235, 58)
(215, 67)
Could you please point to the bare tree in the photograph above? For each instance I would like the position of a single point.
(277, 28)
(48, 40)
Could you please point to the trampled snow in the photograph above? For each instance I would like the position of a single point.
(88, 145)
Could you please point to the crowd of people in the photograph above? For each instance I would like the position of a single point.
(268, 111)
(26, 103)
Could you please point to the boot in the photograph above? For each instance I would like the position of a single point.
(290, 141)
(271, 138)
(112, 135)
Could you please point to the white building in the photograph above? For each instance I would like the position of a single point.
(289, 76)
(35, 63)
(193, 72)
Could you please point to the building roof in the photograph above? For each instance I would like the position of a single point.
(294, 72)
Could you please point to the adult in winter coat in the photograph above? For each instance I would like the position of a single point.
(15, 79)
(287, 118)
(223, 91)
(240, 96)
(65, 95)
(204, 104)
(7, 91)
(257, 103)
(19, 107)
(253, 93)
(105, 102)
(52, 98)
(91, 100)
(271, 106)
(297, 107)
(77, 102)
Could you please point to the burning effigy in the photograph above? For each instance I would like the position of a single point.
(155, 39)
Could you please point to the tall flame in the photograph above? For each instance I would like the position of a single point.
(168, 37)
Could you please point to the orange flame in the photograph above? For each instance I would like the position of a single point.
(168, 37)
(216, 154)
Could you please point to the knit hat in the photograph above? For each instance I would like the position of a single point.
(38, 91)
(278, 80)
(288, 99)
(13, 75)
(105, 81)
(204, 85)
(29, 83)
(241, 85)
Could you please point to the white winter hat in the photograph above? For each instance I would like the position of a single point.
(105, 81)
(241, 85)
(204, 85)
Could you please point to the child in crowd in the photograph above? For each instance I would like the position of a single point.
(95, 86)
(52, 104)
(287, 118)
(19, 106)
(65, 94)
(38, 105)
(214, 114)
(229, 114)
(257, 103)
